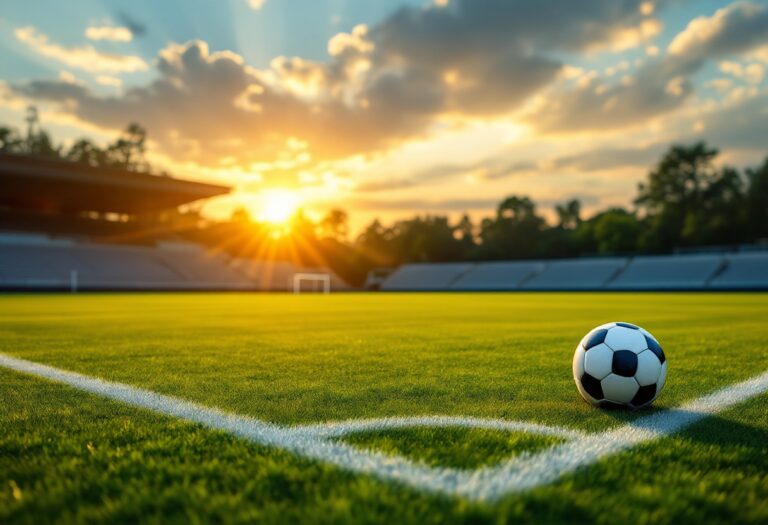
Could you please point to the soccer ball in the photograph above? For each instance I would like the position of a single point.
(619, 364)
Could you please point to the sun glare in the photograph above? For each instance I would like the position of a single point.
(278, 206)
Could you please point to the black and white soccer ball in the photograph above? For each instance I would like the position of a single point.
(619, 364)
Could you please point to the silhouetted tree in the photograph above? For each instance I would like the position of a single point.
(616, 231)
(757, 202)
(86, 152)
(687, 200)
(127, 152)
(429, 238)
(335, 225)
(514, 232)
(10, 140)
(569, 214)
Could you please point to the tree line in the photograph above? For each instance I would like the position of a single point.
(126, 152)
(687, 199)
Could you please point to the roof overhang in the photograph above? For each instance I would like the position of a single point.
(58, 186)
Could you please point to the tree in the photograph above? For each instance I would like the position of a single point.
(10, 140)
(687, 200)
(86, 152)
(127, 152)
(757, 202)
(514, 233)
(335, 224)
(569, 214)
(616, 231)
(425, 239)
(40, 144)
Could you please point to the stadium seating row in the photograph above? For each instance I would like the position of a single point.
(737, 271)
(38, 262)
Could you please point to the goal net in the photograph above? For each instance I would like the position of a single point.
(311, 282)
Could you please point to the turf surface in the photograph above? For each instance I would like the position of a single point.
(68, 456)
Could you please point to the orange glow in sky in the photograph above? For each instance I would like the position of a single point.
(278, 206)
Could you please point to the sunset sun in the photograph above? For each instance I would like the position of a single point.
(278, 206)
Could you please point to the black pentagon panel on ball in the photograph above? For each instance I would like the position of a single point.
(624, 363)
(644, 395)
(592, 386)
(654, 347)
(628, 325)
(595, 338)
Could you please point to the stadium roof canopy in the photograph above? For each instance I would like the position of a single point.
(59, 186)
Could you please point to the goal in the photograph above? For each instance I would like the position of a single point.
(320, 282)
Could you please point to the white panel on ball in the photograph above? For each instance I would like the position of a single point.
(648, 368)
(620, 338)
(598, 360)
(619, 389)
(578, 363)
(662, 378)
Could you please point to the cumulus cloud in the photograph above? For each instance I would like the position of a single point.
(86, 57)
(110, 33)
(734, 28)
(661, 84)
(382, 85)
(740, 125)
(752, 73)
(600, 159)
(106, 80)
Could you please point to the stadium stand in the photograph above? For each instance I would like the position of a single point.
(744, 271)
(425, 276)
(497, 275)
(736, 271)
(576, 274)
(668, 272)
(66, 226)
(34, 263)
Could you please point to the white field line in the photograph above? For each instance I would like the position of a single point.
(336, 429)
(487, 484)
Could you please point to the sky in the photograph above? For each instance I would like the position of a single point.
(394, 108)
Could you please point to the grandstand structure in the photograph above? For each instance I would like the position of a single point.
(67, 226)
(746, 270)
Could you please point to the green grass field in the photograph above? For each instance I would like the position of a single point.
(72, 457)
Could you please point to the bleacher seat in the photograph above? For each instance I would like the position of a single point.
(576, 274)
(744, 271)
(668, 272)
(424, 277)
(35, 262)
(497, 275)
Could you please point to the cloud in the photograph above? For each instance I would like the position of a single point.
(655, 89)
(752, 73)
(85, 57)
(662, 84)
(609, 158)
(382, 85)
(741, 125)
(110, 33)
(106, 80)
(442, 205)
(732, 29)
(256, 4)
(492, 168)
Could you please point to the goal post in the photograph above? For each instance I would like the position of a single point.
(320, 282)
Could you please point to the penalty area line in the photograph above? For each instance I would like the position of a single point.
(320, 441)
